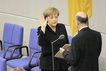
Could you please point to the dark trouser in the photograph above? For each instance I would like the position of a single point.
(52, 70)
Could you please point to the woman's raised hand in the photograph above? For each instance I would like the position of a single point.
(43, 23)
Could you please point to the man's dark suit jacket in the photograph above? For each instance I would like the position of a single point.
(85, 50)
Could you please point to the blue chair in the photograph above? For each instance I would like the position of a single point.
(70, 39)
(1, 45)
(35, 69)
(33, 45)
(3, 64)
(12, 37)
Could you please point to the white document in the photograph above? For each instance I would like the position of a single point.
(66, 47)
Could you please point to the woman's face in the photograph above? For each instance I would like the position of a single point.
(52, 20)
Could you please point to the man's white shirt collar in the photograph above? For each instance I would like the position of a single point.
(79, 30)
(82, 28)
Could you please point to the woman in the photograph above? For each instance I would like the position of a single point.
(49, 31)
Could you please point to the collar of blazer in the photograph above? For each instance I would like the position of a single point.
(83, 27)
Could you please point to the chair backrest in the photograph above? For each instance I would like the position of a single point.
(12, 35)
(70, 39)
(33, 42)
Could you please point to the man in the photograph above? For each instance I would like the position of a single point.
(85, 47)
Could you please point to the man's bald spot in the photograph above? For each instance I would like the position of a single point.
(81, 14)
(82, 17)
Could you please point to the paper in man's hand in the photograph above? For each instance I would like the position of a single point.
(59, 55)
(66, 47)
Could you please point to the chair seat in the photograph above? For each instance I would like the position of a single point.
(35, 69)
(22, 62)
(2, 64)
(8, 54)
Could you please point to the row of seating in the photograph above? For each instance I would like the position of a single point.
(11, 48)
(33, 47)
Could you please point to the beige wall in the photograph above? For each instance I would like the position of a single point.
(98, 22)
(27, 13)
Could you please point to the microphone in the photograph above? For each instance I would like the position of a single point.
(59, 38)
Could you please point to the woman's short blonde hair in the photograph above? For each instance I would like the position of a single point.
(49, 11)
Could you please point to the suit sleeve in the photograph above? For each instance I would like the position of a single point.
(99, 43)
(41, 37)
(72, 56)
(42, 42)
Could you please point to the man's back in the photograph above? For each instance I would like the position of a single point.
(85, 47)
(88, 46)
